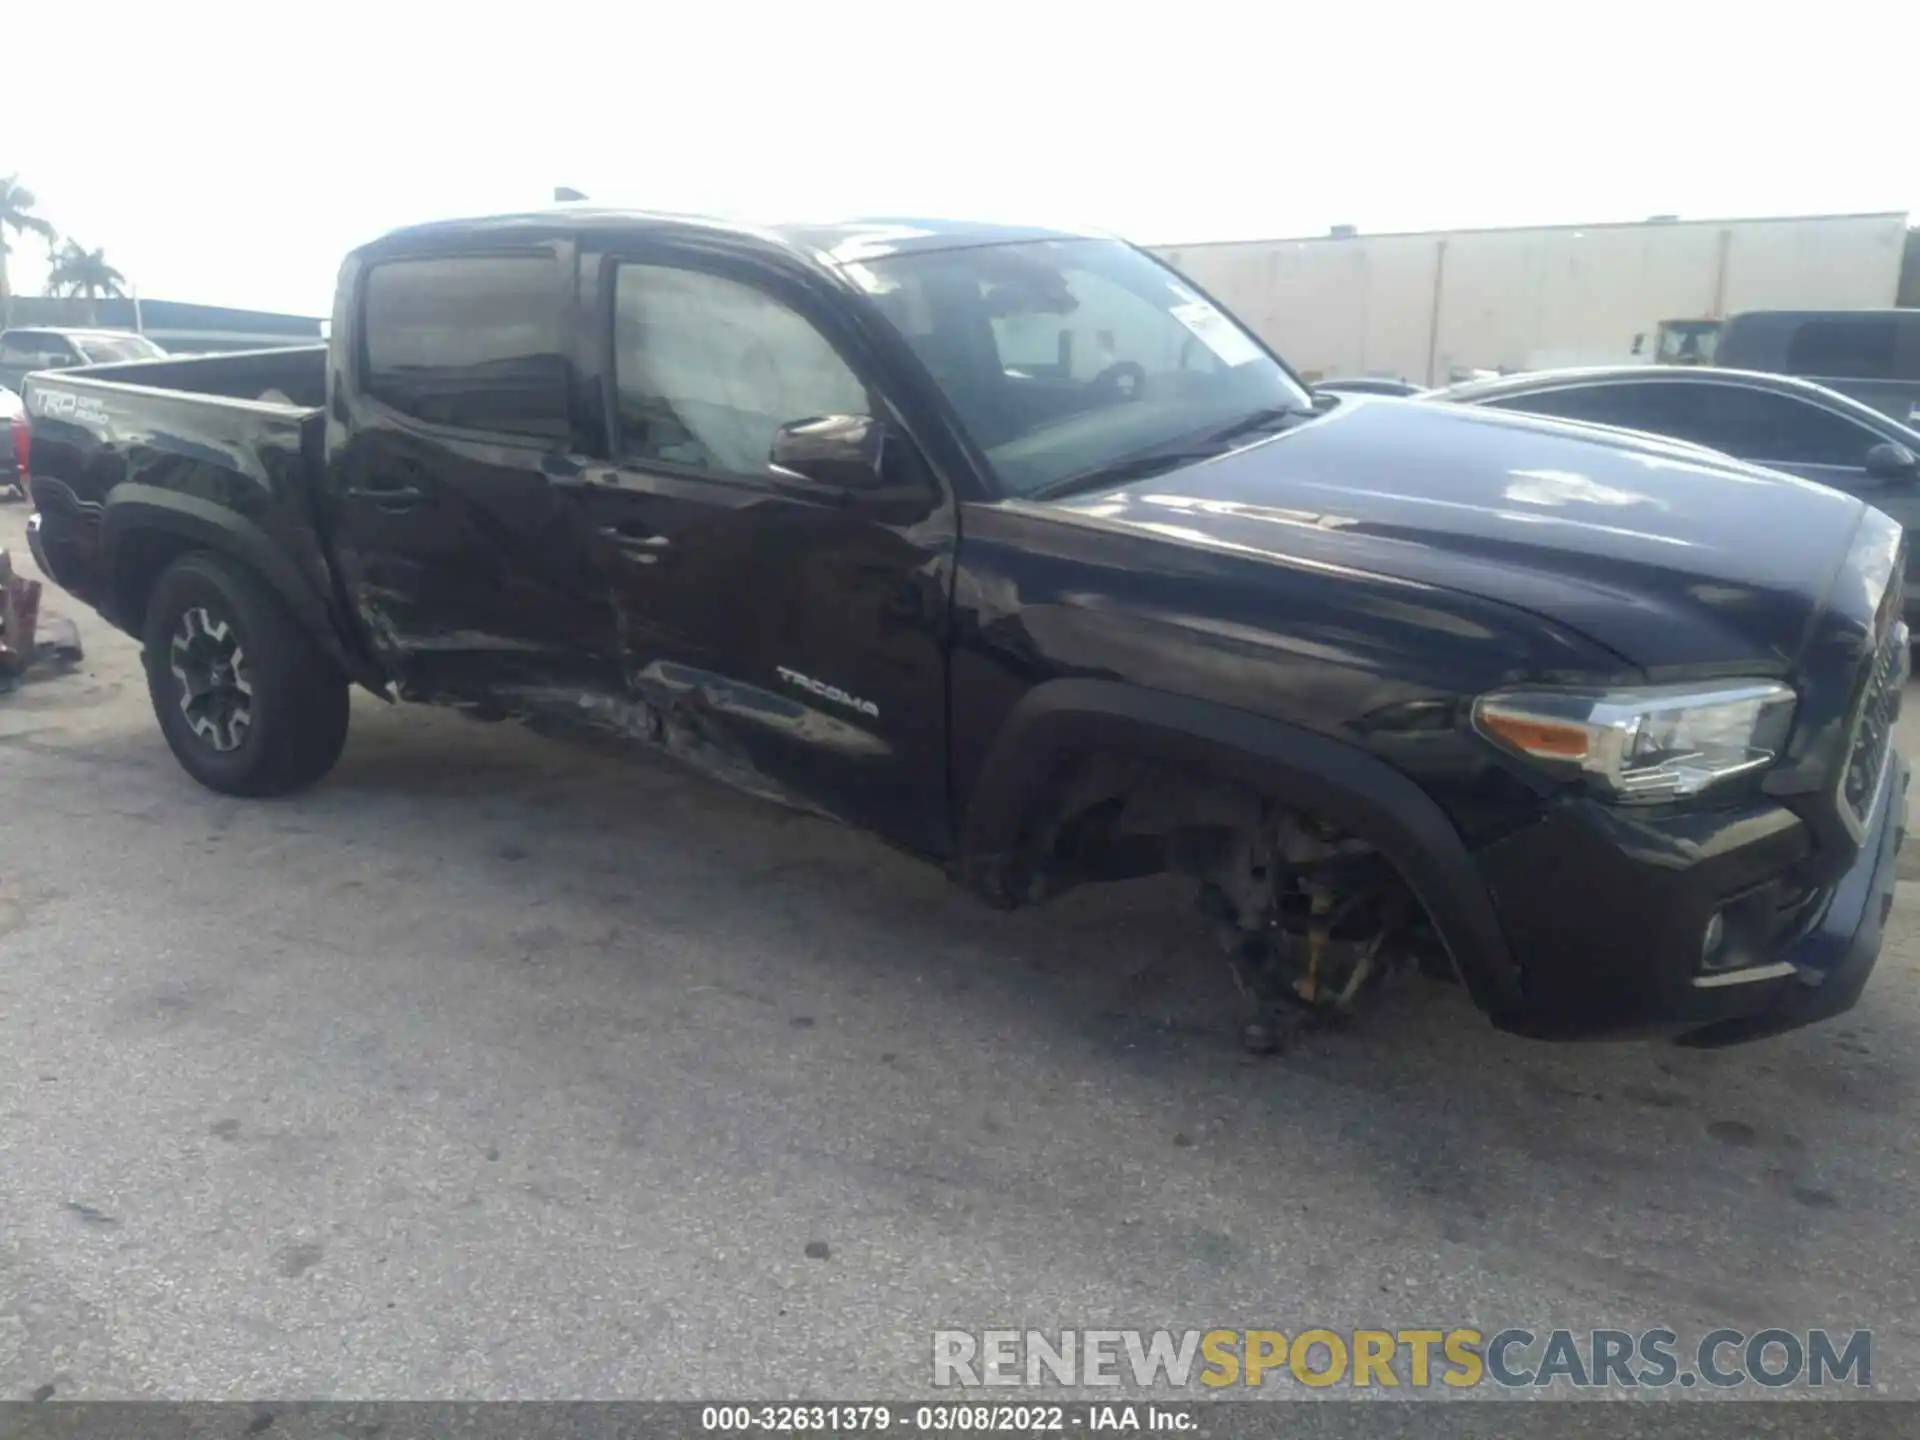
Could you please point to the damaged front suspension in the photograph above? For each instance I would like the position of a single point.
(1310, 925)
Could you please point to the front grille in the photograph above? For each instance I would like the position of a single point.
(1879, 708)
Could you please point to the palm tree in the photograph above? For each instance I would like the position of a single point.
(85, 273)
(16, 214)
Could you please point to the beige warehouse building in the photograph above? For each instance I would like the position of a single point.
(1428, 306)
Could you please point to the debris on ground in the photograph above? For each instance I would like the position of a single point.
(26, 636)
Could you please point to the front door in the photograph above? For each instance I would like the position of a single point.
(791, 637)
(1795, 435)
(448, 480)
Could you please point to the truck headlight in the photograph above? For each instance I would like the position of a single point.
(1643, 745)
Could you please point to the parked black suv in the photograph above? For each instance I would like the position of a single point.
(1012, 547)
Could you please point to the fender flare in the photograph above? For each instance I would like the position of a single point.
(134, 508)
(1337, 781)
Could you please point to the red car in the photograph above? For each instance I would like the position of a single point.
(13, 444)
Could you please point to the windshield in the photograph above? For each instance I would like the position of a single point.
(1063, 357)
(1688, 343)
(110, 349)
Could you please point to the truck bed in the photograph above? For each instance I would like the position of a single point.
(225, 442)
(295, 376)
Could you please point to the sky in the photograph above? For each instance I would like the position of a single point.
(231, 153)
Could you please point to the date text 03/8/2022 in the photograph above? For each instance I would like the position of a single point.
(944, 1418)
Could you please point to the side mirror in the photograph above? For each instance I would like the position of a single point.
(839, 452)
(1888, 461)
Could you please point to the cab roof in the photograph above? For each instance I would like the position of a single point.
(835, 242)
(71, 332)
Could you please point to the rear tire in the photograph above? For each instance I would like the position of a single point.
(248, 703)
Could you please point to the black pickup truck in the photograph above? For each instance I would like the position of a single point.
(1013, 548)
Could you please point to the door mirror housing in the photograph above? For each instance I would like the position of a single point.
(838, 452)
(1888, 461)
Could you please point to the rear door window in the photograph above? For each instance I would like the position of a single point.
(1807, 434)
(1764, 427)
(1630, 407)
(472, 341)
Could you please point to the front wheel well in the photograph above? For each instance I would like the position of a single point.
(1121, 813)
(1294, 897)
(1059, 799)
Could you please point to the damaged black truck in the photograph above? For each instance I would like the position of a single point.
(1012, 548)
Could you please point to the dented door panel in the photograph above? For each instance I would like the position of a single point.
(447, 479)
(792, 647)
(792, 641)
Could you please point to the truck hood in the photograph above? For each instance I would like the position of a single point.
(1666, 554)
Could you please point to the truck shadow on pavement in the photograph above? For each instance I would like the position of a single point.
(940, 1050)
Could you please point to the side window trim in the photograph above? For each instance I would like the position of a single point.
(564, 440)
(1515, 404)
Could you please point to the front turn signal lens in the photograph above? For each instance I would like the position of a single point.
(1541, 738)
(1645, 744)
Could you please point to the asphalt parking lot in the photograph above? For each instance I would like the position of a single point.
(494, 1068)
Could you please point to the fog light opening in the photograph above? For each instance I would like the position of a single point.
(1715, 954)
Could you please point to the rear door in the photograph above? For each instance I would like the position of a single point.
(449, 461)
(793, 636)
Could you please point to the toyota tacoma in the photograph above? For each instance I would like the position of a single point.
(1015, 549)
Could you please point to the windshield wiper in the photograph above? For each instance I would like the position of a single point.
(1156, 462)
(1134, 467)
(1259, 420)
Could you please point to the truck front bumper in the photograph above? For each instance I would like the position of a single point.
(1612, 919)
(1832, 961)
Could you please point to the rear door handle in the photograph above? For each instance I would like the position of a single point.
(641, 541)
(394, 491)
